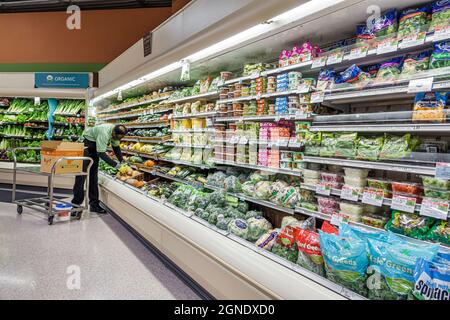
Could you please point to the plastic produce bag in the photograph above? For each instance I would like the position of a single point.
(430, 107)
(440, 232)
(345, 261)
(285, 245)
(309, 254)
(267, 240)
(252, 214)
(257, 226)
(412, 21)
(431, 280)
(276, 188)
(440, 58)
(288, 197)
(223, 222)
(409, 224)
(249, 188)
(392, 265)
(346, 145)
(242, 207)
(398, 147)
(369, 148)
(390, 70)
(263, 190)
(232, 184)
(328, 145)
(384, 25)
(441, 14)
(415, 63)
(238, 227)
(348, 231)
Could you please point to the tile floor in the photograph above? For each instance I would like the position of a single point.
(95, 258)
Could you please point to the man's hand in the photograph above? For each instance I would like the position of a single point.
(118, 165)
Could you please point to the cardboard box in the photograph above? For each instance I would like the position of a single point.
(54, 150)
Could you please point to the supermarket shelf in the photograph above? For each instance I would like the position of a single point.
(137, 114)
(396, 167)
(169, 177)
(266, 143)
(424, 127)
(195, 115)
(181, 145)
(264, 96)
(256, 167)
(337, 193)
(147, 139)
(275, 118)
(189, 164)
(139, 154)
(69, 115)
(203, 96)
(67, 124)
(146, 125)
(137, 104)
(193, 131)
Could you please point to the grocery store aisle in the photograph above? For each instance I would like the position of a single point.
(95, 258)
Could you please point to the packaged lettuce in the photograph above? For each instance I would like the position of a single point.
(440, 58)
(346, 145)
(412, 21)
(391, 269)
(348, 231)
(328, 146)
(352, 75)
(431, 280)
(309, 254)
(415, 63)
(384, 25)
(369, 148)
(390, 70)
(440, 232)
(409, 224)
(285, 245)
(397, 147)
(441, 14)
(345, 261)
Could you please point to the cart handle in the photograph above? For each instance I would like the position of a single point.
(91, 162)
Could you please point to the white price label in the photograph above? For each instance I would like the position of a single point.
(413, 40)
(323, 189)
(373, 197)
(358, 53)
(317, 97)
(303, 88)
(421, 85)
(387, 46)
(349, 193)
(255, 75)
(335, 58)
(434, 208)
(209, 122)
(243, 140)
(234, 140)
(403, 203)
(337, 219)
(319, 62)
(443, 170)
(442, 33)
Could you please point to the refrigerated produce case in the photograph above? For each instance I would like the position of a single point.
(330, 141)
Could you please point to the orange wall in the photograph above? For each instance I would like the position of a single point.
(104, 34)
(178, 4)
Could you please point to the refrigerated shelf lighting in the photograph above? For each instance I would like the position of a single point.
(281, 20)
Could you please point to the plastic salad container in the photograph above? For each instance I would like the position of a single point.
(333, 185)
(328, 202)
(437, 194)
(308, 206)
(355, 217)
(310, 181)
(386, 193)
(374, 220)
(325, 210)
(334, 168)
(407, 188)
(352, 208)
(311, 174)
(379, 184)
(355, 181)
(331, 177)
(430, 182)
(352, 172)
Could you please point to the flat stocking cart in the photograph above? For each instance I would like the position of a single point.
(47, 203)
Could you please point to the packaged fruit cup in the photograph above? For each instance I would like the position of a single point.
(353, 172)
(311, 174)
(407, 188)
(328, 202)
(437, 194)
(331, 177)
(379, 184)
(430, 182)
(353, 181)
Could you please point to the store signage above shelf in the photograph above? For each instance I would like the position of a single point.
(61, 80)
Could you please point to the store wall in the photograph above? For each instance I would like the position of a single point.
(41, 41)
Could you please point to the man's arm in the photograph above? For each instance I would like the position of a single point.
(108, 160)
(118, 153)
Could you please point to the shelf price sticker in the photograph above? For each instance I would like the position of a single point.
(403, 203)
(349, 193)
(323, 189)
(386, 46)
(303, 88)
(421, 85)
(337, 219)
(243, 140)
(434, 208)
(443, 170)
(335, 57)
(413, 40)
(319, 62)
(358, 53)
(373, 197)
(442, 33)
(317, 97)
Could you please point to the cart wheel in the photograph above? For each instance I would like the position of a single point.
(50, 220)
(19, 209)
(79, 215)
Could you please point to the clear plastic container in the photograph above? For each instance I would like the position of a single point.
(311, 181)
(335, 168)
(329, 211)
(430, 182)
(379, 184)
(374, 220)
(437, 194)
(286, 165)
(331, 177)
(352, 208)
(355, 217)
(353, 172)
(311, 174)
(328, 202)
(355, 181)
(407, 188)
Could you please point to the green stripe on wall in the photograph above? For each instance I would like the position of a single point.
(51, 67)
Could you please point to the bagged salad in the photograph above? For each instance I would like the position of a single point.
(345, 261)
(369, 148)
(441, 14)
(440, 232)
(398, 147)
(390, 70)
(409, 224)
(346, 145)
(440, 58)
(391, 268)
(285, 245)
(267, 240)
(430, 106)
(415, 63)
(352, 75)
(413, 20)
(431, 280)
(328, 146)
(309, 254)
